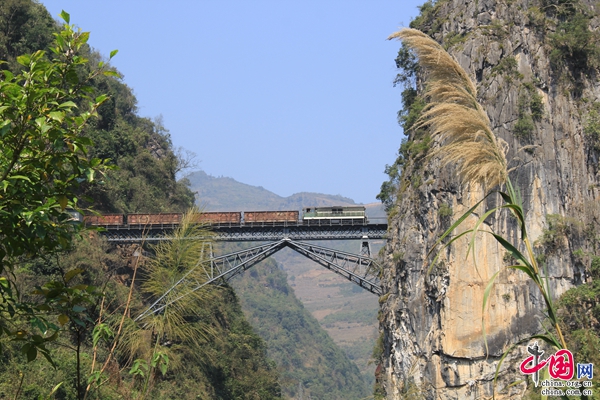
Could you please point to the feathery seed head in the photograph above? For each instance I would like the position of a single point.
(454, 116)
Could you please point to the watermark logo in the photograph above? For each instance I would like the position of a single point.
(560, 364)
(585, 371)
(561, 368)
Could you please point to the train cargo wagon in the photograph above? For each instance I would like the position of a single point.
(107, 219)
(219, 218)
(271, 216)
(153, 219)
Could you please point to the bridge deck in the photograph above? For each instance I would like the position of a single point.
(256, 231)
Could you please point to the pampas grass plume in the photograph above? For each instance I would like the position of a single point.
(454, 116)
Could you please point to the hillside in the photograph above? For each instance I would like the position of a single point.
(227, 194)
(68, 299)
(344, 310)
(310, 365)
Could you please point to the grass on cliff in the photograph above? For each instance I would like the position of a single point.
(456, 120)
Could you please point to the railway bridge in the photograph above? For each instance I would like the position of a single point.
(360, 269)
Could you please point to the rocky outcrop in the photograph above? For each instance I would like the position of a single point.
(542, 106)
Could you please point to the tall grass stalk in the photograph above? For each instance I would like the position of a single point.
(154, 344)
(172, 260)
(96, 376)
(158, 337)
(460, 125)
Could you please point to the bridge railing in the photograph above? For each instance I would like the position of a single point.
(284, 224)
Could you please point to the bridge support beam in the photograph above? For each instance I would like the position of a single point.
(359, 269)
(365, 247)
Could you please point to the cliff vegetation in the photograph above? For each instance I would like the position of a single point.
(68, 299)
(535, 65)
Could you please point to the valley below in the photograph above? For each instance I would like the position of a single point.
(347, 312)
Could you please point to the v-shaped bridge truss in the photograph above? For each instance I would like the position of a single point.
(361, 269)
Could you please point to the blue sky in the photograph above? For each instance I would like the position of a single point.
(290, 95)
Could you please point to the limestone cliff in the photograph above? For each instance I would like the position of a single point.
(537, 80)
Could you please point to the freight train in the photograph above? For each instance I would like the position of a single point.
(352, 215)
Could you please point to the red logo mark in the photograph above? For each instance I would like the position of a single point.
(560, 365)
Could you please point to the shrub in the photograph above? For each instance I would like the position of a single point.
(445, 210)
(595, 267)
(592, 126)
(508, 67)
(530, 108)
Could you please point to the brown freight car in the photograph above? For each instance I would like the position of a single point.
(153, 219)
(214, 218)
(107, 219)
(270, 216)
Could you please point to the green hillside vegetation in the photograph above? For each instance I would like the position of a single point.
(227, 362)
(67, 300)
(347, 312)
(309, 362)
(141, 148)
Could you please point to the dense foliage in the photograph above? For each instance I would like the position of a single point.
(43, 165)
(141, 148)
(66, 120)
(25, 27)
(228, 362)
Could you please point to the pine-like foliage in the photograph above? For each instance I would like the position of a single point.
(177, 261)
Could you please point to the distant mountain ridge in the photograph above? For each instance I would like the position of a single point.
(227, 194)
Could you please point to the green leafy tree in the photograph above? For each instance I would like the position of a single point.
(43, 164)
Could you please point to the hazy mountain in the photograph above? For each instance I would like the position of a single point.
(227, 194)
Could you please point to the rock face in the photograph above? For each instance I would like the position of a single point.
(543, 107)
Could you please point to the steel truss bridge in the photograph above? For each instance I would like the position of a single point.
(259, 232)
(359, 269)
